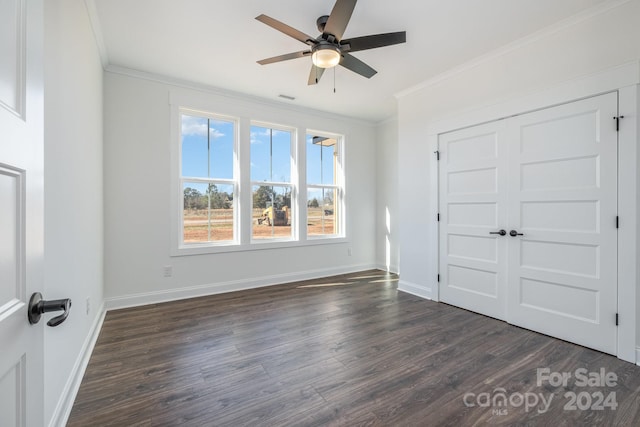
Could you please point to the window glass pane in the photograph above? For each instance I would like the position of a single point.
(271, 212)
(270, 154)
(281, 156)
(328, 163)
(194, 146)
(321, 212)
(208, 212)
(207, 155)
(321, 160)
(221, 151)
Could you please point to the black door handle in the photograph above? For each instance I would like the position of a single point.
(38, 306)
(501, 232)
(514, 233)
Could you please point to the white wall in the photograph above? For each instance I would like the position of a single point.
(73, 192)
(387, 208)
(416, 213)
(137, 199)
(580, 48)
(527, 70)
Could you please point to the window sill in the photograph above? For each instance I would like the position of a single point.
(204, 249)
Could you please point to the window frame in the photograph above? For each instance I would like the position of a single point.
(242, 197)
(338, 186)
(292, 184)
(234, 181)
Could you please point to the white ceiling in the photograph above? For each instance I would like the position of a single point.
(217, 43)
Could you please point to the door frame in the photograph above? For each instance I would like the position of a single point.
(625, 80)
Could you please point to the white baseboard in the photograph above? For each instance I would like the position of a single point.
(135, 300)
(68, 396)
(638, 356)
(413, 289)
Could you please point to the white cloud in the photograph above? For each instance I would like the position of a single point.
(214, 133)
(264, 133)
(194, 126)
(197, 126)
(254, 137)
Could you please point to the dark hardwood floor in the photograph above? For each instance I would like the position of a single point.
(347, 350)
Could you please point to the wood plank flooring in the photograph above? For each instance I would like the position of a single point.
(345, 351)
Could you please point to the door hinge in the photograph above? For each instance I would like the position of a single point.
(617, 119)
(617, 319)
(438, 217)
(437, 153)
(438, 278)
(617, 222)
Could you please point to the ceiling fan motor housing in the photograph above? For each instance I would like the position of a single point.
(321, 22)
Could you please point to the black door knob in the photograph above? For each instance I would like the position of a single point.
(38, 306)
(501, 232)
(514, 233)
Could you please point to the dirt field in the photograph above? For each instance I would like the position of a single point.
(196, 225)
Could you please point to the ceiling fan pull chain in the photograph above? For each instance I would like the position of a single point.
(334, 79)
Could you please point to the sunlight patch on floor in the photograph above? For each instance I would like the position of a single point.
(376, 276)
(384, 281)
(325, 285)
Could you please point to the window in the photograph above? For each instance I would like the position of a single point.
(324, 185)
(272, 188)
(208, 145)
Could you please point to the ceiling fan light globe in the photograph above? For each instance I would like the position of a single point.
(326, 57)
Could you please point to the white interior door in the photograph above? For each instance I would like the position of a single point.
(21, 211)
(550, 178)
(563, 198)
(472, 206)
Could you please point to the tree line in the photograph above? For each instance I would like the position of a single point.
(194, 199)
(263, 197)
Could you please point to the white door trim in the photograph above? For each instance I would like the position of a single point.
(625, 79)
(628, 233)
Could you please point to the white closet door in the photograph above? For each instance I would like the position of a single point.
(472, 205)
(562, 277)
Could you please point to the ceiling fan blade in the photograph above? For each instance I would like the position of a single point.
(374, 41)
(339, 18)
(284, 28)
(354, 64)
(285, 57)
(315, 74)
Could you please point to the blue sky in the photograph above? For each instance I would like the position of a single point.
(217, 162)
(319, 163)
(197, 160)
(263, 142)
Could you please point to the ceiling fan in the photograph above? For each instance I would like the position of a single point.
(329, 49)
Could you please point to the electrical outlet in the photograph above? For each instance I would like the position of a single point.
(168, 271)
(88, 306)
(349, 252)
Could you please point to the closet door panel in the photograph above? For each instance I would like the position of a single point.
(562, 277)
(472, 171)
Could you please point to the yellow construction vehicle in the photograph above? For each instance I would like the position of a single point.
(277, 217)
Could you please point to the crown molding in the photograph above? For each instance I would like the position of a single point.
(238, 96)
(517, 44)
(92, 12)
